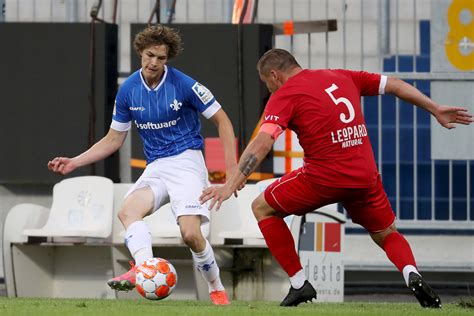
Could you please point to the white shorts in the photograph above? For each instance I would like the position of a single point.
(179, 180)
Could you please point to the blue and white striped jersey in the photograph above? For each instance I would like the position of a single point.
(167, 117)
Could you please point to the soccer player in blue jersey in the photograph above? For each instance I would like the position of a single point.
(164, 105)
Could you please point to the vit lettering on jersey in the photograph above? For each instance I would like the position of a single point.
(349, 136)
(271, 117)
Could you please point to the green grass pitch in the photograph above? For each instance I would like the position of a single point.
(38, 307)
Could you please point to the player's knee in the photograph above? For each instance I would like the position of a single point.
(122, 215)
(258, 209)
(193, 239)
(127, 216)
(379, 237)
(387, 231)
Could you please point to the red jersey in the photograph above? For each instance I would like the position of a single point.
(323, 108)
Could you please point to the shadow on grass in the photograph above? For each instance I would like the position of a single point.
(466, 303)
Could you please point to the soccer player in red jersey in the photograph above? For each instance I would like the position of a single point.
(323, 108)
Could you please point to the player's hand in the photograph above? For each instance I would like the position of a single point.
(62, 165)
(448, 116)
(216, 194)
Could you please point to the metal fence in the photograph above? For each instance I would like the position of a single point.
(392, 37)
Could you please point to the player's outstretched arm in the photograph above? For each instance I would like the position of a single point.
(447, 116)
(249, 161)
(109, 144)
(227, 137)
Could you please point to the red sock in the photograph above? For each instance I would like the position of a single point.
(398, 250)
(281, 243)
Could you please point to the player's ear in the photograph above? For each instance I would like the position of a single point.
(273, 74)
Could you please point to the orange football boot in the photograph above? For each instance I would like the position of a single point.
(219, 298)
(124, 282)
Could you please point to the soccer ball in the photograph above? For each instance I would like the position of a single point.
(155, 279)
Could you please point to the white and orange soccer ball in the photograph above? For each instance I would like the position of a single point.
(156, 278)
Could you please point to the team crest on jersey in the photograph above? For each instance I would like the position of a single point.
(202, 92)
(176, 105)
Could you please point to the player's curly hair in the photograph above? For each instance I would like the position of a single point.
(159, 35)
(278, 59)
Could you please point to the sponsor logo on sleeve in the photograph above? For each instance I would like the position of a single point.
(202, 92)
(271, 118)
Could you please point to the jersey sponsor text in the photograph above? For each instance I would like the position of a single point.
(349, 136)
(150, 125)
(136, 108)
(271, 117)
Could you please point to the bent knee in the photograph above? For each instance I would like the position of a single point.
(256, 207)
(123, 215)
(387, 231)
(192, 238)
(379, 237)
(127, 216)
(261, 209)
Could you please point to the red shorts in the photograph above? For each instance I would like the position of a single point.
(295, 193)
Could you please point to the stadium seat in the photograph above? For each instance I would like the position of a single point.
(82, 207)
(21, 216)
(234, 223)
(52, 247)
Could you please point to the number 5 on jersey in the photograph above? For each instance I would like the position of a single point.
(341, 100)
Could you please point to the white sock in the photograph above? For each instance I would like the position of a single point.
(206, 263)
(297, 280)
(138, 241)
(407, 270)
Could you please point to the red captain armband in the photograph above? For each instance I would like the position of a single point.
(274, 130)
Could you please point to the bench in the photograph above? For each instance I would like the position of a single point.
(37, 242)
(72, 256)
